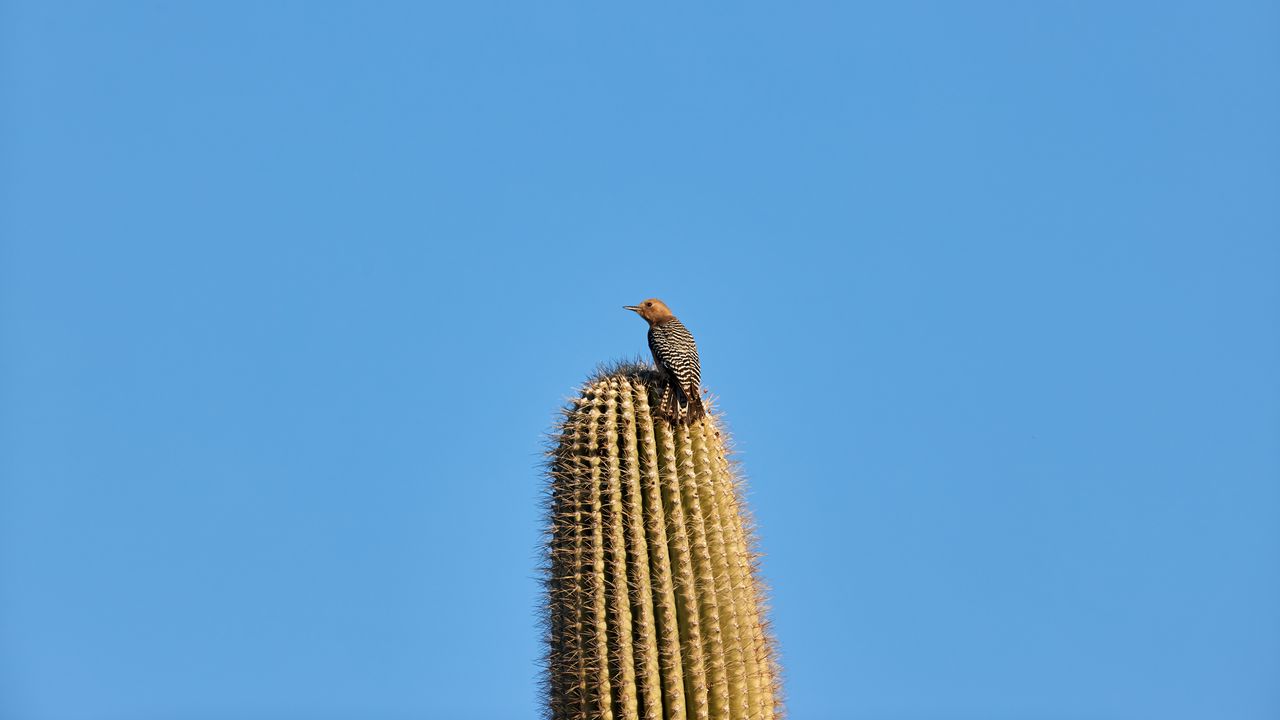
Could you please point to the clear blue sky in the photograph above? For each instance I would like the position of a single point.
(290, 292)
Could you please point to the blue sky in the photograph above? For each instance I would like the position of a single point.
(290, 292)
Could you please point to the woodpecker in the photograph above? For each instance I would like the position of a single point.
(676, 355)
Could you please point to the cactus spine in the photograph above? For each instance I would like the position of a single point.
(655, 611)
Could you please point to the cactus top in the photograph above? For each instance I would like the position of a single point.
(655, 608)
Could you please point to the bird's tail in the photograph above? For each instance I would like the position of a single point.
(695, 410)
(682, 406)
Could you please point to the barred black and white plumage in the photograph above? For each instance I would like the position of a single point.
(676, 355)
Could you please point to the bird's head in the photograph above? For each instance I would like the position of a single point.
(653, 310)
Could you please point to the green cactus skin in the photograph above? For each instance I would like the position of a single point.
(655, 610)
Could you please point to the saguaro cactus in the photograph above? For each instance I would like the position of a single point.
(654, 609)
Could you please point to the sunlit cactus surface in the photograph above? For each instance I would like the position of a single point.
(654, 609)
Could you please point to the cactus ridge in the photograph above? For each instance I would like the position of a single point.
(655, 609)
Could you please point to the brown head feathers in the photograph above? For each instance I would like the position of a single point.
(653, 310)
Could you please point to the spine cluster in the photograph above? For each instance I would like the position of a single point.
(654, 606)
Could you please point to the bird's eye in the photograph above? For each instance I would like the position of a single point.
(648, 304)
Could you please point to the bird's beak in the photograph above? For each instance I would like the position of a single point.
(632, 308)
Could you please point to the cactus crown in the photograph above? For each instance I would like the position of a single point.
(655, 609)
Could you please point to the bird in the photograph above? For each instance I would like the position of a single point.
(676, 355)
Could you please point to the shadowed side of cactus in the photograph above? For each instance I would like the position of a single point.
(654, 607)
